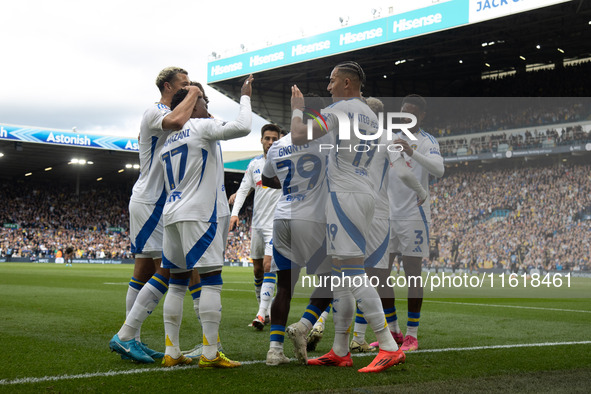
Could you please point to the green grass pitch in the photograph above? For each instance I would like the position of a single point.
(56, 322)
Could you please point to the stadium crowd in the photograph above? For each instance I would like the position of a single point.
(39, 220)
(477, 115)
(528, 217)
(527, 140)
(558, 82)
(496, 217)
(528, 99)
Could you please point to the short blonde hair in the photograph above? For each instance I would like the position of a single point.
(167, 75)
(376, 105)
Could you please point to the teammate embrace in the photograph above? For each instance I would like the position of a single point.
(334, 211)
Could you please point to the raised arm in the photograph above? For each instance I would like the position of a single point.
(242, 125)
(176, 119)
(299, 130)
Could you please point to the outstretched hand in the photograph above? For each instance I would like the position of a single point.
(246, 89)
(297, 98)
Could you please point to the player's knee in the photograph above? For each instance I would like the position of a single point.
(165, 272)
(258, 270)
(143, 268)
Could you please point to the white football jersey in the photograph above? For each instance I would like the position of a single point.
(403, 200)
(302, 173)
(223, 206)
(190, 161)
(379, 170)
(149, 188)
(349, 160)
(265, 198)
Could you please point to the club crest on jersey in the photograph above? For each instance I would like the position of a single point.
(414, 146)
(260, 184)
(174, 196)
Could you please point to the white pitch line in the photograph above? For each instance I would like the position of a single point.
(296, 295)
(7, 382)
(510, 306)
(461, 349)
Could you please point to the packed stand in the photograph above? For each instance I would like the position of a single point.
(50, 219)
(527, 140)
(514, 218)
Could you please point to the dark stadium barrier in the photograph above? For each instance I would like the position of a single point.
(76, 261)
(227, 263)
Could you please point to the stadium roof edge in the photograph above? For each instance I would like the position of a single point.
(435, 70)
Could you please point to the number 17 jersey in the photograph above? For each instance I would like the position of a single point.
(190, 161)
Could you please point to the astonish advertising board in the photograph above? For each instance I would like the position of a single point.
(67, 138)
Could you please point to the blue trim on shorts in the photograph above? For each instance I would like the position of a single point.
(317, 259)
(282, 262)
(347, 224)
(379, 253)
(149, 226)
(201, 246)
(166, 263)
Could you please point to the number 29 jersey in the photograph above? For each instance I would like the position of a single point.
(302, 173)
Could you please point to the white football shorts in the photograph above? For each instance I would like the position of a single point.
(192, 244)
(260, 243)
(145, 229)
(348, 217)
(409, 237)
(301, 243)
(378, 240)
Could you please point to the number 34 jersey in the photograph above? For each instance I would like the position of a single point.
(302, 173)
(190, 161)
